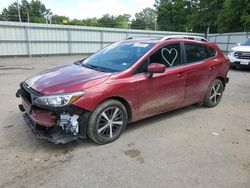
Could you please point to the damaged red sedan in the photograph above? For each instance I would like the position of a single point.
(125, 82)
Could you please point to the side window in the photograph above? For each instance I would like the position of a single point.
(194, 52)
(142, 67)
(210, 52)
(169, 55)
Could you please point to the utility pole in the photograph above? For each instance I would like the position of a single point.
(28, 16)
(49, 17)
(18, 10)
(208, 31)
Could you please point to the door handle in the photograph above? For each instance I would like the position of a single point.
(211, 68)
(180, 75)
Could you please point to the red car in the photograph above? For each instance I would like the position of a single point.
(125, 82)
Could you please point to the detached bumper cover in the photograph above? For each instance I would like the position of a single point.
(55, 136)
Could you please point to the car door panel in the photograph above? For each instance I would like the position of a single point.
(198, 72)
(196, 81)
(160, 92)
(171, 87)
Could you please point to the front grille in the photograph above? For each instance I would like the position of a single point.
(242, 55)
(28, 93)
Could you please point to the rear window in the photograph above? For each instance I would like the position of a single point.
(194, 52)
(210, 52)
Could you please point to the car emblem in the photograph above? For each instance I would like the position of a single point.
(245, 53)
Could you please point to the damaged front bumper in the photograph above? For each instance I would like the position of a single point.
(54, 135)
(58, 125)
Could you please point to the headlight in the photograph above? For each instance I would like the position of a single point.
(231, 52)
(58, 100)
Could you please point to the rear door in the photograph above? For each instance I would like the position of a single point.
(198, 71)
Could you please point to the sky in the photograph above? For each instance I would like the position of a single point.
(80, 9)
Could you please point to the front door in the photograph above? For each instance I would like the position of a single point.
(162, 91)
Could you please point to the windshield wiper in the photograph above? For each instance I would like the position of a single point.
(95, 67)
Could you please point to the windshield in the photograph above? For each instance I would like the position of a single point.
(117, 57)
(246, 43)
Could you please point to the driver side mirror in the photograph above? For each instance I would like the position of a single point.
(155, 68)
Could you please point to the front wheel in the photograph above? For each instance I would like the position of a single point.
(214, 93)
(232, 66)
(107, 122)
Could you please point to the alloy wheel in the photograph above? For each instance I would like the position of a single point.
(110, 122)
(216, 93)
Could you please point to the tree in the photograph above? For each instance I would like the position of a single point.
(122, 21)
(234, 16)
(36, 9)
(11, 13)
(107, 20)
(197, 15)
(56, 19)
(146, 19)
(204, 14)
(172, 14)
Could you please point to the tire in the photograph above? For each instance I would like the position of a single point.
(107, 122)
(214, 94)
(233, 66)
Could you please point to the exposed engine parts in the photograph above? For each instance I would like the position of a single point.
(69, 123)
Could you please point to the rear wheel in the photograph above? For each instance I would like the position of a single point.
(107, 122)
(214, 93)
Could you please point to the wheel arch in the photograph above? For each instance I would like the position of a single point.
(222, 79)
(124, 102)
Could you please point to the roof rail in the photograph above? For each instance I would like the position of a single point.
(184, 37)
(198, 38)
(138, 37)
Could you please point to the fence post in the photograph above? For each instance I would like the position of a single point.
(228, 41)
(215, 39)
(27, 41)
(101, 35)
(69, 42)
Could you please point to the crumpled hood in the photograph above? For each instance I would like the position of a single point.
(241, 48)
(65, 79)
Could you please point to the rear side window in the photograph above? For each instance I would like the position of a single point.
(194, 52)
(210, 52)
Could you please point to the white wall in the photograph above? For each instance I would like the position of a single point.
(43, 39)
(228, 40)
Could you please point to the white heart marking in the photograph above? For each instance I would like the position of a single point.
(170, 52)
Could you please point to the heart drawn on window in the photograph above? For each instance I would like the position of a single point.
(167, 54)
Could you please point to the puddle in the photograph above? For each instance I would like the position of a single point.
(134, 153)
(15, 68)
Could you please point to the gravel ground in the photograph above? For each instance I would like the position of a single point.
(190, 147)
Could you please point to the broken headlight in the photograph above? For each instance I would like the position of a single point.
(58, 100)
